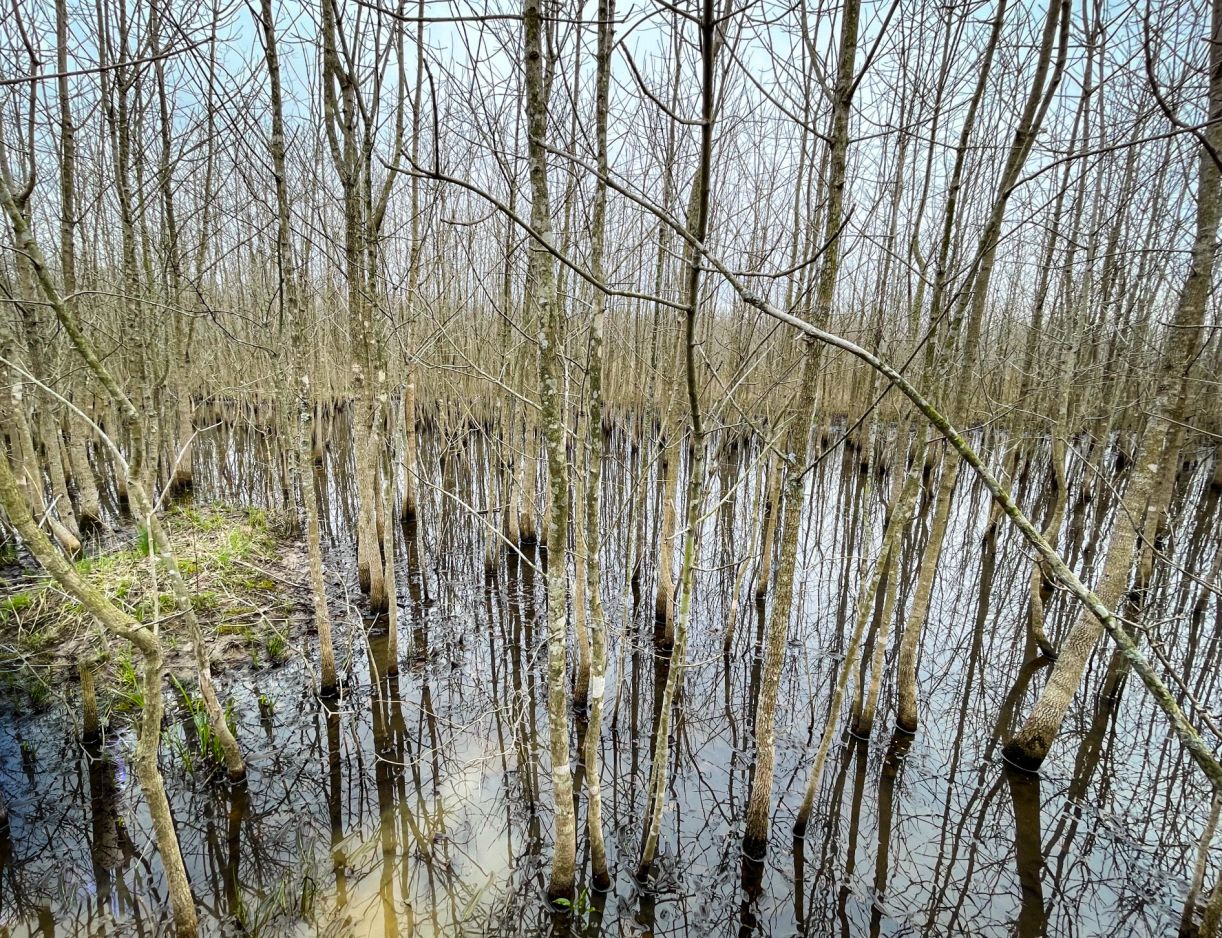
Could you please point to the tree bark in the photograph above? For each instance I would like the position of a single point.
(542, 293)
(148, 644)
(1029, 746)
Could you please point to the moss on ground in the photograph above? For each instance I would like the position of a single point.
(242, 571)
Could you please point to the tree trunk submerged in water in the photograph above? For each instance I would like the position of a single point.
(755, 837)
(893, 535)
(771, 498)
(581, 586)
(698, 215)
(759, 801)
(87, 497)
(1188, 926)
(182, 903)
(664, 596)
(148, 644)
(305, 428)
(542, 282)
(1031, 743)
(370, 569)
(907, 709)
(347, 115)
(91, 732)
(411, 461)
(318, 586)
(134, 473)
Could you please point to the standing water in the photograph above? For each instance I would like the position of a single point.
(418, 804)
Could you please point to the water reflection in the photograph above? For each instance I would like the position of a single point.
(416, 803)
(1028, 852)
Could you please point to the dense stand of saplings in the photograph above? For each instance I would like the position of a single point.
(903, 219)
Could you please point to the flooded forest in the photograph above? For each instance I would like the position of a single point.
(547, 467)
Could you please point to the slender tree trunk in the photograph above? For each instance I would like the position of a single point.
(148, 644)
(392, 599)
(893, 534)
(91, 731)
(542, 292)
(1030, 745)
(343, 112)
(87, 498)
(907, 708)
(581, 629)
(294, 313)
(411, 459)
(698, 217)
(798, 449)
(1187, 918)
(134, 475)
(772, 496)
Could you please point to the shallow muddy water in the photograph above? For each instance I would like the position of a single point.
(418, 805)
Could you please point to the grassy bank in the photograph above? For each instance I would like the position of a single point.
(241, 566)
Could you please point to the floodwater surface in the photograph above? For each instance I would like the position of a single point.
(418, 805)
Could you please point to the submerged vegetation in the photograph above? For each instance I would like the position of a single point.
(695, 416)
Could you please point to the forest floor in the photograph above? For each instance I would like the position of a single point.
(244, 570)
